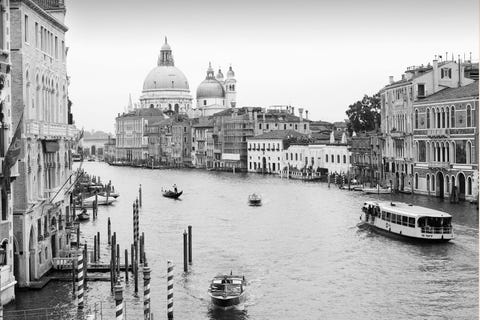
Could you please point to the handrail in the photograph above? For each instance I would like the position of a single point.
(436, 230)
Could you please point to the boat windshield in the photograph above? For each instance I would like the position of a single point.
(435, 224)
(227, 288)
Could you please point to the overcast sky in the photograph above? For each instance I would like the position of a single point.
(319, 55)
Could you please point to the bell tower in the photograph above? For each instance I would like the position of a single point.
(231, 89)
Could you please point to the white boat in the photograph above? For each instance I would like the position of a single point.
(254, 200)
(377, 190)
(407, 221)
(353, 186)
(102, 201)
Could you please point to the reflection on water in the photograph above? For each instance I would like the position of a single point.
(301, 251)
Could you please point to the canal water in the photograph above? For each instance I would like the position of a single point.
(301, 252)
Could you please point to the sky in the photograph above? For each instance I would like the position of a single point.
(318, 55)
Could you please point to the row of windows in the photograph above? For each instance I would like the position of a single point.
(290, 125)
(261, 146)
(398, 219)
(444, 118)
(44, 39)
(458, 151)
(332, 158)
(447, 181)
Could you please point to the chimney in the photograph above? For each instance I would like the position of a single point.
(300, 113)
(293, 110)
(390, 79)
(460, 72)
(403, 76)
(435, 76)
(306, 114)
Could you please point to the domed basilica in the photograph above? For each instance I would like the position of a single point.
(166, 88)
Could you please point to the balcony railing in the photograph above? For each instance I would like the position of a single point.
(439, 165)
(439, 132)
(50, 130)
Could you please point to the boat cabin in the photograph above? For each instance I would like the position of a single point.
(228, 285)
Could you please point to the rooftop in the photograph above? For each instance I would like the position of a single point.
(468, 91)
(279, 134)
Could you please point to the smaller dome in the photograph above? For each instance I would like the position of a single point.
(210, 88)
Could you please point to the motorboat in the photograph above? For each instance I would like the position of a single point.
(407, 221)
(227, 291)
(377, 190)
(102, 201)
(254, 200)
(114, 195)
(171, 194)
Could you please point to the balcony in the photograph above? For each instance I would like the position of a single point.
(50, 130)
(396, 134)
(438, 133)
(439, 165)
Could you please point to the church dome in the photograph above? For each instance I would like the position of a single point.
(165, 78)
(210, 88)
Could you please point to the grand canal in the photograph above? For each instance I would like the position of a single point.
(301, 252)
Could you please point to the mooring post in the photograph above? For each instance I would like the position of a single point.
(135, 276)
(73, 277)
(118, 260)
(185, 252)
(96, 204)
(80, 280)
(140, 195)
(170, 290)
(132, 257)
(190, 244)
(78, 235)
(142, 248)
(85, 265)
(118, 291)
(94, 249)
(98, 246)
(126, 265)
(74, 207)
(133, 221)
(109, 230)
(328, 179)
(146, 290)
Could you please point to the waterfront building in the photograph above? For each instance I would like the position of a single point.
(214, 94)
(7, 277)
(181, 133)
(131, 138)
(109, 150)
(166, 87)
(445, 137)
(397, 115)
(39, 90)
(366, 154)
(94, 143)
(231, 130)
(265, 152)
(281, 118)
(201, 128)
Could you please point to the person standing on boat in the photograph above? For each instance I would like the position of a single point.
(175, 188)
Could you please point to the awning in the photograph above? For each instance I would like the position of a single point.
(50, 146)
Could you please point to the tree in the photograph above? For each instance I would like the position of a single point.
(363, 114)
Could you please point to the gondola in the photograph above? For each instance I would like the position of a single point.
(171, 194)
(83, 216)
(254, 200)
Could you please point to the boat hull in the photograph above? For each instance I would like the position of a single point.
(399, 236)
(172, 195)
(228, 302)
(255, 203)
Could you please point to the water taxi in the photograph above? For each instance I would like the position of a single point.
(407, 221)
(377, 190)
(227, 291)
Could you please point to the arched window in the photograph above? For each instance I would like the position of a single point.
(469, 116)
(447, 111)
(433, 183)
(468, 152)
(443, 118)
(416, 180)
(452, 117)
(428, 118)
(332, 158)
(344, 159)
(428, 182)
(439, 118)
(469, 185)
(416, 118)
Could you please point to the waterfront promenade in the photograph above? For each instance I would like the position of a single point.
(300, 252)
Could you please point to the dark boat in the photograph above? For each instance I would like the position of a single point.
(171, 194)
(254, 200)
(83, 216)
(227, 291)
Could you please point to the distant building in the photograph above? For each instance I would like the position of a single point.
(214, 94)
(109, 153)
(166, 87)
(202, 128)
(265, 152)
(277, 118)
(131, 137)
(94, 143)
(445, 138)
(366, 155)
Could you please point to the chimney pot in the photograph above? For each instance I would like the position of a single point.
(390, 79)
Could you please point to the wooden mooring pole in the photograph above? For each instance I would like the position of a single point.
(109, 230)
(94, 249)
(170, 290)
(98, 246)
(185, 252)
(126, 265)
(146, 290)
(190, 244)
(140, 195)
(118, 292)
(85, 265)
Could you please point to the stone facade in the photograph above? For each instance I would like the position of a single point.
(446, 143)
(41, 200)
